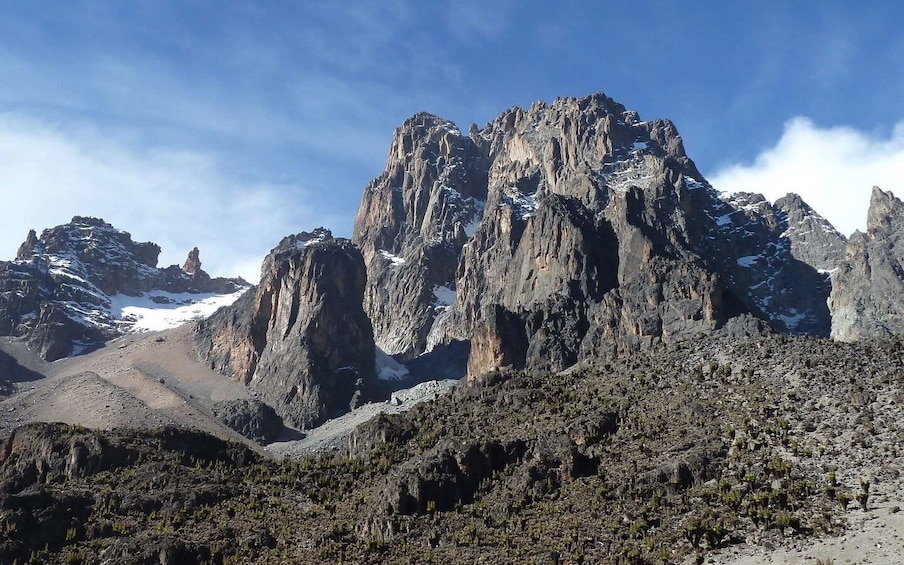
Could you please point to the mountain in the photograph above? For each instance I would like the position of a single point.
(85, 282)
(553, 235)
(868, 283)
(650, 377)
(569, 229)
(301, 340)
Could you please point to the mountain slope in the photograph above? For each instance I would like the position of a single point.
(730, 446)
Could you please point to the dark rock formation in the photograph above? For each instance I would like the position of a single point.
(869, 283)
(302, 340)
(446, 476)
(56, 293)
(251, 418)
(565, 230)
(45, 505)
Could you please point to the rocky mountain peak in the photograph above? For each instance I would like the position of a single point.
(58, 292)
(868, 282)
(29, 248)
(556, 231)
(813, 239)
(886, 213)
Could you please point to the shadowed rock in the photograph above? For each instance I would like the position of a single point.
(301, 339)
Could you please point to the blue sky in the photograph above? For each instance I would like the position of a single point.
(230, 124)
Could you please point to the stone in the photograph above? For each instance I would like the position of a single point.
(192, 262)
(251, 418)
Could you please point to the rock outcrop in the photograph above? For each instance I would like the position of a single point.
(868, 285)
(301, 340)
(564, 230)
(250, 417)
(57, 293)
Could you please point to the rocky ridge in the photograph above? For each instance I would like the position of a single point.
(411, 226)
(57, 293)
(282, 340)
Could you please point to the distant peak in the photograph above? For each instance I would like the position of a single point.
(428, 121)
(304, 239)
(29, 247)
(884, 210)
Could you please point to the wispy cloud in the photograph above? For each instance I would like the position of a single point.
(177, 198)
(833, 169)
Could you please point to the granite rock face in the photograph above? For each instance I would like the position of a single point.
(868, 286)
(568, 229)
(301, 339)
(57, 293)
(411, 225)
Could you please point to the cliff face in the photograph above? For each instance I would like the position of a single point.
(411, 226)
(564, 230)
(301, 340)
(57, 293)
(868, 285)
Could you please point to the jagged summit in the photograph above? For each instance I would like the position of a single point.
(814, 240)
(570, 227)
(77, 285)
(868, 284)
(885, 215)
(192, 262)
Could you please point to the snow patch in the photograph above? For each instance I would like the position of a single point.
(472, 226)
(394, 259)
(388, 369)
(445, 296)
(621, 175)
(524, 204)
(792, 321)
(692, 183)
(302, 244)
(748, 260)
(169, 310)
(724, 219)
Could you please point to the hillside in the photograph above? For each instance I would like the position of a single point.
(730, 446)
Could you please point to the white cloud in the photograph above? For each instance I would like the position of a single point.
(833, 169)
(177, 199)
